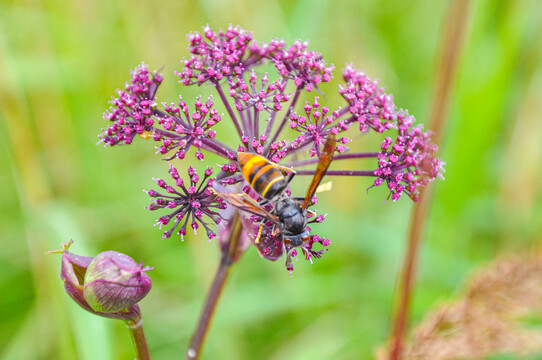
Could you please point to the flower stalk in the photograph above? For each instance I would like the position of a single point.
(449, 56)
(139, 340)
(227, 259)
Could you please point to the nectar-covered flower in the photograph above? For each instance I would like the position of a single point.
(189, 204)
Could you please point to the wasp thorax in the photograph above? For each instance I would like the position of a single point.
(291, 216)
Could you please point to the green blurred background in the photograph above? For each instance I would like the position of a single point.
(60, 62)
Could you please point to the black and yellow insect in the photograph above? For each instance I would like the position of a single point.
(289, 214)
(265, 177)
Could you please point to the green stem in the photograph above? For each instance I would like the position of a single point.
(221, 275)
(140, 343)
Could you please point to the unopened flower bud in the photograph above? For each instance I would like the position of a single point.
(89, 282)
(114, 282)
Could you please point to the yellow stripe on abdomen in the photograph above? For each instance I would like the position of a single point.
(278, 178)
(259, 173)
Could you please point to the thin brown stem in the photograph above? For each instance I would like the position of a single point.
(140, 343)
(315, 160)
(448, 60)
(221, 275)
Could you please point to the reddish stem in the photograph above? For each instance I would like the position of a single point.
(448, 60)
(221, 275)
(339, 172)
(287, 115)
(228, 108)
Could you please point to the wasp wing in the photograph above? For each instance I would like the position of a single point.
(244, 202)
(321, 169)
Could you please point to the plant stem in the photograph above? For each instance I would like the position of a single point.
(228, 107)
(285, 118)
(448, 60)
(140, 343)
(221, 275)
(315, 160)
(339, 172)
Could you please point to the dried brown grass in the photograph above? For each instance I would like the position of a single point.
(486, 319)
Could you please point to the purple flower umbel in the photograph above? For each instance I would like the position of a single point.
(188, 204)
(271, 117)
(131, 112)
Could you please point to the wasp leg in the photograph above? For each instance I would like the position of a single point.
(257, 240)
(310, 213)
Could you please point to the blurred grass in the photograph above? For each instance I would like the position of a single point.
(60, 62)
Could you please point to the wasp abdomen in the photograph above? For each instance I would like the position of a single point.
(262, 175)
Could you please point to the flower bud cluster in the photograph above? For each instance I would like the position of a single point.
(268, 96)
(369, 105)
(185, 129)
(191, 203)
(132, 111)
(317, 124)
(407, 162)
(305, 67)
(215, 56)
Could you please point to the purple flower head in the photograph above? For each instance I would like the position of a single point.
(315, 126)
(267, 96)
(131, 112)
(305, 67)
(215, 56)
(189, 204)
(407, 162)
(369, 105)
(183, 129)
(267, 49)
(283, 128)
